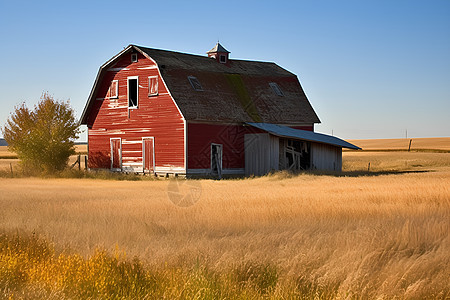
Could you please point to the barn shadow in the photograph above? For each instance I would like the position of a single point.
(366, 173)
(287, 174)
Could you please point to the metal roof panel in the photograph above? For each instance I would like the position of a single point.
(285, 131)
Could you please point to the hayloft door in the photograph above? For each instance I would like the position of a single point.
(148, 154)
(116, 154)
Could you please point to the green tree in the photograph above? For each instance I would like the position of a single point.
(44, 137)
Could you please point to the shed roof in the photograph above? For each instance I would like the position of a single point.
(234, 93)
(288, 132)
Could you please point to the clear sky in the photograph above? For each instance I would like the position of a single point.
(371, 69)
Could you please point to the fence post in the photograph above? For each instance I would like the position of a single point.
(85, 162)
(409, 148)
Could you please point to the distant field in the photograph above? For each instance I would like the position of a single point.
(5, 152)
(403, 144)
(382, 161)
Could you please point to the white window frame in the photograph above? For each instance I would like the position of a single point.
(134, 57)
(149, 86)
(191, 81)
(116, 89)
(276, 89)
(137, 91)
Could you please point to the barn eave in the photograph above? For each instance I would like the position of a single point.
(288, 132)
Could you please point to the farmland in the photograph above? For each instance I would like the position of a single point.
(378, 233)
(403, 144)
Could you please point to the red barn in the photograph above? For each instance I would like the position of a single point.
(164, 112)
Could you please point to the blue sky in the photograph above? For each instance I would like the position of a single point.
(371, 69)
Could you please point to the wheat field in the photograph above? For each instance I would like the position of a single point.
(442, 143)
(377, 232)
(365, 237)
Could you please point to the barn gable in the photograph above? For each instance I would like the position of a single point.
(131, 111)
(237, 92)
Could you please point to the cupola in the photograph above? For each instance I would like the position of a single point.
(219, 53)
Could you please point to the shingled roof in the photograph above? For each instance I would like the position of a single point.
(236, 92)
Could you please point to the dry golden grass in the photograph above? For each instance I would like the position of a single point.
(403, 144)
(366, 237)
(81, 148)
(6, 163)
(394, 161)
(376, 236)
(4, 152)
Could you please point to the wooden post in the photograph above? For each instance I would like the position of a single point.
(79, 162)
(409, 148)
(85, 162)
(368, 167)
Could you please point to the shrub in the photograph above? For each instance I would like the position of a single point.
(43, 138)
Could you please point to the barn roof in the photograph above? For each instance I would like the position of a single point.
(236, 92)
(288, 132)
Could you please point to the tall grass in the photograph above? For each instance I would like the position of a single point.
(276, 236)
(30, 268)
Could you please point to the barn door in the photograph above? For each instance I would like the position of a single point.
(216, 160)
(116, 154)
(148, 154)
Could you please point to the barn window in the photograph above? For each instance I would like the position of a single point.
(113, 91)
(134, 57)
(223, 59)
(195, 83)
(133, 86)
(276, 89)
(153, 85)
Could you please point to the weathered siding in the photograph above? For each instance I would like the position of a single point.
(155, 116)
(326, 157)
(261, 153)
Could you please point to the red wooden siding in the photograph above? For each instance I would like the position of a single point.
(156, 116)
(200, 137)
